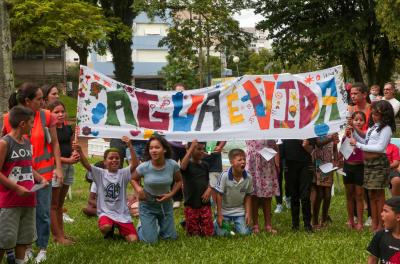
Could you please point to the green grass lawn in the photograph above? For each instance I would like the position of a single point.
(335, 244)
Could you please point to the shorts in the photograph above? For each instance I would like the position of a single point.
(68, 173)
(125, 229)
(354, 174)
(376, 173)
(393, 174)
(18, 226)
(213, 176)
(199, 221)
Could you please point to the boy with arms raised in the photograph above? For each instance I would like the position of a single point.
(111, 183)
(17, 178)
(197, 191)
(385, 245)
(233, 195)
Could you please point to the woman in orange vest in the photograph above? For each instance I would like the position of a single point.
(45, 153)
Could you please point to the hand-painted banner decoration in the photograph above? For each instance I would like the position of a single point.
(249, 107)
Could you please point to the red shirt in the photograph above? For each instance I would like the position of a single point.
(392, 152)
(18, 168)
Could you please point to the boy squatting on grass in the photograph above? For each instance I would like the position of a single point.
(233, 189)
(17, 203)
(111, 192)
(385, 245)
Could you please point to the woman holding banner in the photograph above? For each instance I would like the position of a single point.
(45, 154)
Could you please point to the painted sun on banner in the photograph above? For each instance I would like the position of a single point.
(273, 106)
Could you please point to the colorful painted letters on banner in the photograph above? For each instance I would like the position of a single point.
(249, 107)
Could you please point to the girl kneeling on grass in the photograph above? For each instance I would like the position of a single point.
(376, 164)
(111, 192)
(155, 207)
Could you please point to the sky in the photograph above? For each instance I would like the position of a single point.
(247, 18)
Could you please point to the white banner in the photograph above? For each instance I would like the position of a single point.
(274, 106)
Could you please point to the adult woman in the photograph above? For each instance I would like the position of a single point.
(45, 153)
(50, 93)
(155, 207)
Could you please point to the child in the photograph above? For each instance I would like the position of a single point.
(385, 245)
(111, 192)
(197, 191)
(376, 165)
(233, 189)
(374, 93)
(325, 152)
(17, 202)
(155, 208)
(392, 153)
(354, 178)
(65, 136)
(265, 181)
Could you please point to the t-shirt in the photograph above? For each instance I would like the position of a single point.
(64, 135)
(195, 183)
(157, 181)
(111, 193)
(356, 156)
(395, 104)
(17, 167)
(385, 247)
(392, 152)
(295, 151)
(233, 192)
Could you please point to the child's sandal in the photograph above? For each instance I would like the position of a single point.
(270, 230)
(256, 229)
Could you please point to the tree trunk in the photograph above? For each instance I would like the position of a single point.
(121, 49)
(352, 63)
(386, 63)
(6, 66)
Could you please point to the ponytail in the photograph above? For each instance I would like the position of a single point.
(12, 101)
(23, 92)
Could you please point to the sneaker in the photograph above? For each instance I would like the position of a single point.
(176, 204)
(368, 222)
(278, 209)
(287, 202)
(67, 218)
(41, 256)
(28, 254)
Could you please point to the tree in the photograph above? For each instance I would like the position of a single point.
(179, 70)
(330, 32)
(388, 14)
(38, 24)
(121, 48)
(6, 68)
(198, 27)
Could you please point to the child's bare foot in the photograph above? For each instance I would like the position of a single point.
(359, 227)
(256, 229)
(270, 230)
(64, 241)
(350, 224)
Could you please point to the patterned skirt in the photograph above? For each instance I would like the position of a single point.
(376, 173)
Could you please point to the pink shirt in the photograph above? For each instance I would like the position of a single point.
(357, 155)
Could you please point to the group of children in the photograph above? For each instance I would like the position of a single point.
(236, 193)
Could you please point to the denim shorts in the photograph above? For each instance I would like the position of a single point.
(68, 173)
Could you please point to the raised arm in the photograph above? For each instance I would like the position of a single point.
(134, 161)
(83, 158)
(186, 158)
